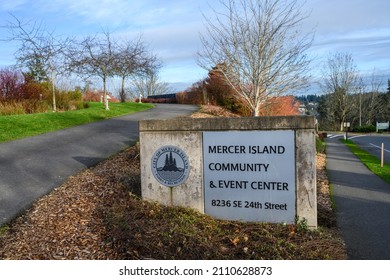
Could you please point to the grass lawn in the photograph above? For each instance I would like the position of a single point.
(20, 126)
(372, 162)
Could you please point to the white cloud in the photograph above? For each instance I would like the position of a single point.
(335, 16)
(359, 27)
(11, 5)
(123, 12)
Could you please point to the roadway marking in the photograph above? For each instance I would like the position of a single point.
(334, 136)
(331, 136)
(356, 136)
(380, 148)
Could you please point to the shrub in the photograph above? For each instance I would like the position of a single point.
(37, 91)
(92, 96)
(10, 84)
(320, 145)
(190, 97)
(365, 128)
(68, 100)
(86, 105)
(62, 101)
(75, 95)
(78, 105)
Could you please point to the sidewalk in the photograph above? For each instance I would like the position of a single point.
(362, 202)
(32, 167)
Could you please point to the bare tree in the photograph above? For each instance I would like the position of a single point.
(149, 85)
(259, 47)
(95, 56)
(374, 107)
(133, 60)
(371, 105)
(341, 80)
(41, 51)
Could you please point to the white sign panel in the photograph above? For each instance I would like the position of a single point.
(250, 175)
(382, 126)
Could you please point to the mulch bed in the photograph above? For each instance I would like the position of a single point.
(69, 223)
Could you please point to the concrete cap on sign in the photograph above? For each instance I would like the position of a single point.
(215, 124)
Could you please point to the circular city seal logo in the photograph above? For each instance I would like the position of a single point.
(170, 166)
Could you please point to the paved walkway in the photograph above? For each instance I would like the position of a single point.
(362, 204)
(32, 167)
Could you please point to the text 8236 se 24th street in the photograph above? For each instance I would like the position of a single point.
(248, 204)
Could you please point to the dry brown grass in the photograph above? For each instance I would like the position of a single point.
(211, 111)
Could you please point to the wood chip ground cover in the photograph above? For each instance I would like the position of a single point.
(98, 215)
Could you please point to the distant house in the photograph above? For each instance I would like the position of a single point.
(302, 109)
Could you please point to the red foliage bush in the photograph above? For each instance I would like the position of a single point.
(214, 91)
(92, 96)
(280, 106)
(33, 90)
(11, 83)
(192, 96)
(97, 96)
(13, 86)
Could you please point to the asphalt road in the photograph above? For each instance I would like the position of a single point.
(373, 144)
(362, 202)
(32, 167)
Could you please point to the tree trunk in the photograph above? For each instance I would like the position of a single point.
(123, 97)
(54, 93)
(342, 124)
(256, 112)
(257, 108)
(105, 95)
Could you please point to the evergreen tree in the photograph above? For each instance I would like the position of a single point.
(388, 86)
(36, 72)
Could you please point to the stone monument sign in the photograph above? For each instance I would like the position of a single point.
(248, 169)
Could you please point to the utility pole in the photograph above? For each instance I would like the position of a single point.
(53, 76)
(360, 106)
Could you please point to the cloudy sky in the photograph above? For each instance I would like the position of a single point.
(172, 28)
